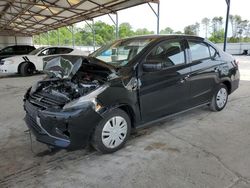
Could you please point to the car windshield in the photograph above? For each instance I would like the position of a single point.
(34, 52)
(121, 52)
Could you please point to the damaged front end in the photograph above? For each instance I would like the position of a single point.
(62, 109)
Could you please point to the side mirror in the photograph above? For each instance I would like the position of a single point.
(152, 66)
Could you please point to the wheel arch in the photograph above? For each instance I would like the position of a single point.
(19, 66)
(228, 84)
(126, 108)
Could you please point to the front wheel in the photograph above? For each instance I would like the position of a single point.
(27, 69)
(112, 132)
(219, 99)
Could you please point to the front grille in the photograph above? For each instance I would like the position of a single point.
(45, 100)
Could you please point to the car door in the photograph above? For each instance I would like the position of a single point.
(164, 80)
(204, 71)
(20, 50)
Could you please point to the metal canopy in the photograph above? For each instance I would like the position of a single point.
(31, 17)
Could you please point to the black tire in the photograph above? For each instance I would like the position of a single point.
(98, 137)
(27, 69)
(215, 104)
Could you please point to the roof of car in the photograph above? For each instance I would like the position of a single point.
(19, 45)
(170, 36)
(55, 47)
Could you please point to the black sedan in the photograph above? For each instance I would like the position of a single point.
(125, 85)
(10, 51)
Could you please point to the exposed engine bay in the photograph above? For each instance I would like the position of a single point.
(55, 92)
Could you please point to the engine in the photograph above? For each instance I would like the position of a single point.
(69, 90)
(57, 92)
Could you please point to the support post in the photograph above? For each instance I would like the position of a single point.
(48, 37)
(157, 14)
(93, 30)
(116, 23)
(58, 37)
(226, 27)
(16, 40)
(158, 18)
(92, 27)
(73, 36)
(117, 27)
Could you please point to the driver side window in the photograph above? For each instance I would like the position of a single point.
(167, 54)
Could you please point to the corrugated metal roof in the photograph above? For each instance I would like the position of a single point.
(29, 17)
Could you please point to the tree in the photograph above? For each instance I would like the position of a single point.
(143, 31)
(125, 30)
(217, 36)
(192, 29)
(167, 30)
(178, 32)
(206, 22)
(217, 24)
(104, 33)
(247, 32)
(235, 21)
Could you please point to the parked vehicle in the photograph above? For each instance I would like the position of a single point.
(29, 64)
(15, 50)
(126, 85)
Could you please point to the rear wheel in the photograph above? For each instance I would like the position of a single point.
(112, 132)
(27, 69)
(219, 99)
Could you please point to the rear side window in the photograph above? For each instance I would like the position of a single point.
(48, 51)
(169, 53)
(63, 50)
(199, 50)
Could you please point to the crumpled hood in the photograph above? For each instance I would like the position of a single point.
(66, 66)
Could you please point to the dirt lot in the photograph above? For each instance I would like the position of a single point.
(196, 149)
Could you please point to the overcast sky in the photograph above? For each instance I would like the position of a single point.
(179, 13)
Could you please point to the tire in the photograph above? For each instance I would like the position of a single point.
(219, 99)
(112, 132)
(27, 69)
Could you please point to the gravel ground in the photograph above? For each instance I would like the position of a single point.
(196, 149)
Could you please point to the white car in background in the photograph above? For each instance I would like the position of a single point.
(28, 64)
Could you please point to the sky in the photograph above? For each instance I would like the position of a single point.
(179, 13)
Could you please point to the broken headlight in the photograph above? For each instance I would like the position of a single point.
(84, 100)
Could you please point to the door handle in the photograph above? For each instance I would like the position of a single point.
(185, 78)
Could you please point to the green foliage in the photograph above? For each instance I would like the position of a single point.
(143, 31)
(217, 37)
(125, 30)
(192, 29)
(178, 32)
(104, 33)
(167, 30)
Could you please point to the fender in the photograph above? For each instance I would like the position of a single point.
(26, 59)
(127, 108)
